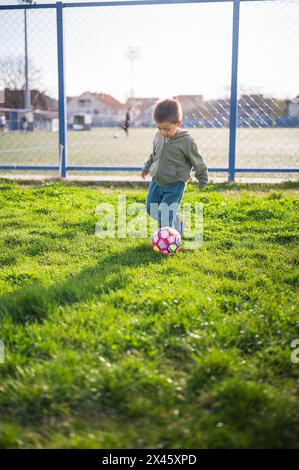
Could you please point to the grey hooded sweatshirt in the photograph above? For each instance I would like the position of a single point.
(173, 160)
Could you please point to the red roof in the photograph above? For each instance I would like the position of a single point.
(39, 100)
(108, 100)
(143, 99)
(188, 97)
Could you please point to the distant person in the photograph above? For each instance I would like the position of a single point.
(2, 123)
(24, 123)
(30, 120)
(127, 122)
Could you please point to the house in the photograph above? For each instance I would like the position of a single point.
(44, 109)
(104, 109)
(189, 102)
(193, 109)
(14, 99)
(142, 111)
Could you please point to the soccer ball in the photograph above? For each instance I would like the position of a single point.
(166, 240)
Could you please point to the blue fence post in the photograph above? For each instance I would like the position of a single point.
(61, 91)
(233, 93)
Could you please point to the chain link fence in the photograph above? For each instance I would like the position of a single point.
(268, 110)
(177, 53)
(28, 135)
(123, 58)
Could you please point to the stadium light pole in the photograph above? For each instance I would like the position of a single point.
(133, 54)
(27, 104)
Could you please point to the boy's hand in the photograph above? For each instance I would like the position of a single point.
(143, 174)
(202, 185)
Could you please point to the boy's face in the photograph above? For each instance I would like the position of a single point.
(168, 129)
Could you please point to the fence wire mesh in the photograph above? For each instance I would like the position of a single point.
(28, 133)
(130, 57)
(125, 58)
(268, 105)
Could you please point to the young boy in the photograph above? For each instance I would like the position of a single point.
(174, 154)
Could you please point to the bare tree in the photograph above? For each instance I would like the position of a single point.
(12, 74)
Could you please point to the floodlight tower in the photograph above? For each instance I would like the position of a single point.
(133, 54)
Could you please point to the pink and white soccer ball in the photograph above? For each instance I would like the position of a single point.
(166, 240)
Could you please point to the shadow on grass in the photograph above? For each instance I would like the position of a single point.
(35, 301)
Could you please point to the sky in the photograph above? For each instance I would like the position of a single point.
(184, 49)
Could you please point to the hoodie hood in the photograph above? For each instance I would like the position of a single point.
(179, 135)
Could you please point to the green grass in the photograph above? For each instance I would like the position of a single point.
(109, 345)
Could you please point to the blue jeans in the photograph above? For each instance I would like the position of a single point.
(163, 203)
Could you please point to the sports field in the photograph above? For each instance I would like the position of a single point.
(258, 148)
(110, 345)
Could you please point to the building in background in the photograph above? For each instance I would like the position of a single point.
(142, 111)
(92, 109)
(43, 109)
(104, 110)
(193, 109)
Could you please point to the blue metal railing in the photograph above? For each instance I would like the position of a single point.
(61, 92)
(63, 165)
(233, 93)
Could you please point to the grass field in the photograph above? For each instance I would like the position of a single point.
(256, 148)
(109, 345)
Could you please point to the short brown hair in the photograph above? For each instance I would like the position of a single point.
(169, 110)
